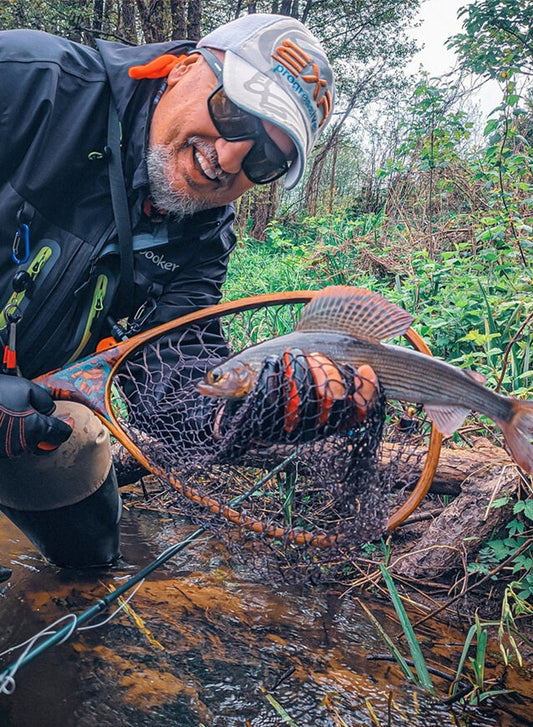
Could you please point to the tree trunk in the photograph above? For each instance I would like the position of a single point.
(194, 17)
(144, 17)
(312, 187)
(264, 207)
(126, 27)
(179, 20)
(98, 16)
(484, 474)
(158, 21)
(332, 178)
(307, 10)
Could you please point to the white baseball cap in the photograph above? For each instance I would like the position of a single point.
(275, 69)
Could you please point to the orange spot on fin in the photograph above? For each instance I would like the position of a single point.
(355, 311)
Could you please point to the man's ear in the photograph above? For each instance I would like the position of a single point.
(181, 68)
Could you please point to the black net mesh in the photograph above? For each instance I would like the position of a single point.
(314, 486)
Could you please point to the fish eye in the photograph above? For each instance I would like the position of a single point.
(214, 376)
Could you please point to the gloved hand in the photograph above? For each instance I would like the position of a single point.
(26, 424)
(300, 396)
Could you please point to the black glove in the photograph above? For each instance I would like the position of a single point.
(26, 424)
(299, 397)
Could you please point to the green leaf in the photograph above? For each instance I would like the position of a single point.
(500, 502)
(491, 125)
(414, 646)
(528, 509)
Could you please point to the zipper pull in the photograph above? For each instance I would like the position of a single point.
(10, 351)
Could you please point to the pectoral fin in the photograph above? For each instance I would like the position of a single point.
(447, 419)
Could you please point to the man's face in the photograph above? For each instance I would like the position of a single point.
(190, 166)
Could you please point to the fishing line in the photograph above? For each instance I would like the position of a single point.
(33, 649)
(7, 678)
(114, 613)
(7, 681)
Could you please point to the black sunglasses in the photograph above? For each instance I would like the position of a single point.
(265, 161)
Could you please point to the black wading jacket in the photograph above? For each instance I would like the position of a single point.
(55, 200)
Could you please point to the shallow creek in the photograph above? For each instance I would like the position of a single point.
(206, 641)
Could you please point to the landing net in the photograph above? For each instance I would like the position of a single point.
(324, 489)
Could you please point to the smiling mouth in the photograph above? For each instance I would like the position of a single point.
(206, 160)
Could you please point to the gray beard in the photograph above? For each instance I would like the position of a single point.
(177, 204)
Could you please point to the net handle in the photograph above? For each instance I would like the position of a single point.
(421, 488)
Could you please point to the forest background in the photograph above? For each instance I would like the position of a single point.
(410, 192)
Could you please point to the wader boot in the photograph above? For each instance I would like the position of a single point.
(66, 501)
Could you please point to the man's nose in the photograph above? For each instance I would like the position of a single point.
(231, 153)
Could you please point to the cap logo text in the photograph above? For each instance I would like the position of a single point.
(295, 60)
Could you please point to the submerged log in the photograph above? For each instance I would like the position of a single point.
(484, 474)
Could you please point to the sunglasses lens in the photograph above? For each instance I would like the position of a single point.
(265, 162)
(231, 122)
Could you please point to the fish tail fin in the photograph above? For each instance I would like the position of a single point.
(518, 433)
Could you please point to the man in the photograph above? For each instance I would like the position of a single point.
(198, 128)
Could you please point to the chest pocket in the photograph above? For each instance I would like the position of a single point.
(159, 265)
(64, 301)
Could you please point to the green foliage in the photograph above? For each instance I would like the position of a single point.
(517, 548)
(480, 690)
(305, 256)
(414, 647)
(433, 132)
(479, 632)
(497, 40)
(468, 307)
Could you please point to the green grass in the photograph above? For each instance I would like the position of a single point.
(470, 308)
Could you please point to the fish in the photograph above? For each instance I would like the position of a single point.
(349, 325)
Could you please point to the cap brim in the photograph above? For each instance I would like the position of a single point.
(256, 93)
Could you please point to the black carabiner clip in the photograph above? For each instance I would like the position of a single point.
(23, 233)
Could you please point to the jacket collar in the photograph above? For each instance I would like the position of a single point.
(135, 104)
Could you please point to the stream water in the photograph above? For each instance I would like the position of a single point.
(206, 642)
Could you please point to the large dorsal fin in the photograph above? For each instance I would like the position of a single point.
(356, 311)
